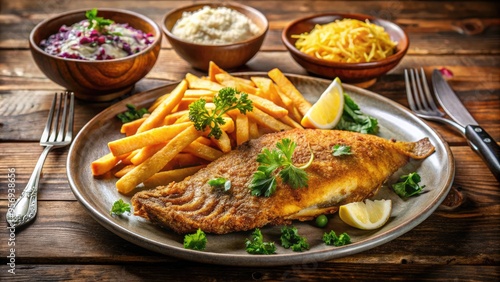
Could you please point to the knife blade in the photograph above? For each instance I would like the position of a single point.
(480, 141)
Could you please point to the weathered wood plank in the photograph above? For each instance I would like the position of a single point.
(183, 271)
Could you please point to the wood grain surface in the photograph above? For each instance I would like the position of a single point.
(458, 242)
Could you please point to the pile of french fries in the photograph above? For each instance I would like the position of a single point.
(164, 146)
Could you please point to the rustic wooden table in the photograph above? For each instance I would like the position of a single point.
(459, 241)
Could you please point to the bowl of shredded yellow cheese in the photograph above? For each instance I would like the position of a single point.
(354, 47)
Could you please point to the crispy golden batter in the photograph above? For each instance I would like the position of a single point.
(333, 181)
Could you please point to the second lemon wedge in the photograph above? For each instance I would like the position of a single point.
(366, 215)
(327, 111)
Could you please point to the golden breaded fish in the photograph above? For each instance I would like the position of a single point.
(333, 181)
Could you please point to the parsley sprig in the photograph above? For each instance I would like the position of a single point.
(119, 207)
(353, 119)
(256, 244)
(290, 238)
(226, 100)
(408, 186)
(195, 241)
(340, 150)
(96, 22)
(132, 113)
(264, 180)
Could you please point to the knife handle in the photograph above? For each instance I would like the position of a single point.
(487, 148)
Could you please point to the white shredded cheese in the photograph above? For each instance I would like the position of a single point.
(214, 26)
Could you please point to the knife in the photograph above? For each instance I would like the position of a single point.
(478, 138)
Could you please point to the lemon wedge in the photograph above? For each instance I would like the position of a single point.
(326, 112)
(366, 215)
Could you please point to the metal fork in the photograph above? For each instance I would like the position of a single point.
(58, 133)
(421, 101)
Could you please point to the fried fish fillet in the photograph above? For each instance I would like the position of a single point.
(333, 181)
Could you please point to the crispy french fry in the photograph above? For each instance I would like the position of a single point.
(289, 121)
(163, 178)
(198, 83)
(266, 120)
(223, 143)
(156, 162)
(295, 114)
(203, 151)
(199, 93)
(124, 170)
(157, 102)
(165, 108)
(146, 152)
(213, 70)
(268, 90)
(174, 117)
(153, 136)
(268, 106)
(242, 132)
(182, 160)
(130, 128)
(204, 140)
(289, 89)
(239, 86)
(222, 77)
(253, 129)
(103, 164)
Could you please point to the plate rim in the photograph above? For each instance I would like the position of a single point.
(264, 260)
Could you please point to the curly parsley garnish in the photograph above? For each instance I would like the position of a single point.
(132, 113)
(195, 241)
(119, 207)
(264, 179)
(408, 185)
(224, 101)
(354, 120)
(332, 239)
(340, 150)
(256, 244)
(290, 238)
(95, 21)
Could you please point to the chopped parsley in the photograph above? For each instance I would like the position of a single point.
(340, 150)
(354, 120)
(220, 183)
(408, 186)
(224, 101)
(332, 239)
(264, 179)
(132, 113)
(195, 241)
(290, 238)
(256, 244)
(119, 207)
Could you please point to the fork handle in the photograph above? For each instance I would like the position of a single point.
(25, 207)
(486, 146)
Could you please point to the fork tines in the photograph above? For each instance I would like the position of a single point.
(59, 126)
(419, 96)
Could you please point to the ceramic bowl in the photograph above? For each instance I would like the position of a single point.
(356, 73)
(96, 80)
(226, 56)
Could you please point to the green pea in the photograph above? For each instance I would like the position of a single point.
(321, 221)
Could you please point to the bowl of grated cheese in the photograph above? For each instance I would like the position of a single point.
(354, 47)
(228, 33)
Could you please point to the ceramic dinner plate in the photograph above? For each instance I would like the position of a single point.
(98, 195)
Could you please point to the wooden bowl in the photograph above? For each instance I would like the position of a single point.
(227, 56)
(357, 73)
(96, 80)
